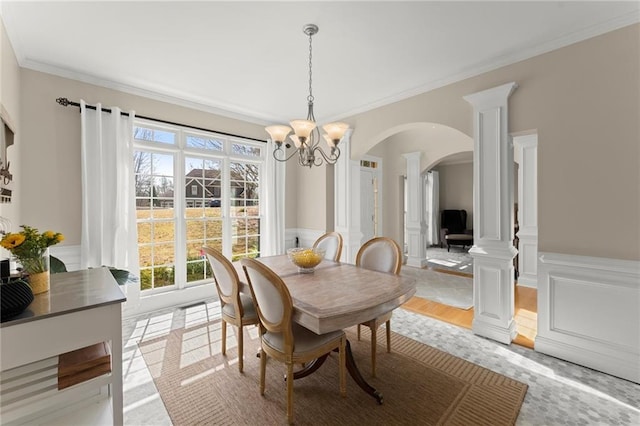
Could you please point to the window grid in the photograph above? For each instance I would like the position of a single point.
(212, 200)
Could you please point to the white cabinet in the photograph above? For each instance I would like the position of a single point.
(82, 308)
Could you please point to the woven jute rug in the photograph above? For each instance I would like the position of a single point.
(420, 384)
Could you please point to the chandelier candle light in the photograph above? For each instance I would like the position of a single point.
(306, 135)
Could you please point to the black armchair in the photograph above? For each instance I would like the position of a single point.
(453, 222)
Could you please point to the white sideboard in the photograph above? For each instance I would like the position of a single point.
(82, 308)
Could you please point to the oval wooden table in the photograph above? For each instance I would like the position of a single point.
(337, 296)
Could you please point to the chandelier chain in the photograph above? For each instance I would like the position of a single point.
(310, 97)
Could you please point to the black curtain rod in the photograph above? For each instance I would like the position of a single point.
(66, 102)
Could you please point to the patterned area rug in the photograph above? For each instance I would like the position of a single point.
(420, 384)
(445, 288)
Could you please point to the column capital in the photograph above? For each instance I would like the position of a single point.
(491, 97)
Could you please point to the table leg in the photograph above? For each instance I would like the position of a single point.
(309, 368)
(352, 368)
(360, 381)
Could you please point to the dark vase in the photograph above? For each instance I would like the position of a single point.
(15, 297)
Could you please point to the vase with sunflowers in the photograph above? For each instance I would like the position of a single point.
(31, 248)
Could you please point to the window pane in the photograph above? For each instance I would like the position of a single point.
(195, 230)
(163, 276)
(245, 210)
(239, 227)
(213, 229)
(144, 232)
(198, 270)
(163, 232)
(249, 150)
(154, 135)
(156, 225)
(163, 254)
(201, 142)
(203, 184)
(197, 263)
(215, 243)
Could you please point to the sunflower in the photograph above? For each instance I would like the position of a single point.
(30, 247)
(11, 241)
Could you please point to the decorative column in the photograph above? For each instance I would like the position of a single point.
(526, 151)
(347, 200)
(416, 225)
(493, 251)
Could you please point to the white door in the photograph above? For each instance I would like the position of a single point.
(370, 197)
(368, 215)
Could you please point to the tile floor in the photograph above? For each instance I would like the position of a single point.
(560, 393)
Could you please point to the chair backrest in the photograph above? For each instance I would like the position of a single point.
(454, 220)
(380, 254)
(332, 243)
(225, 277)
(272, 299)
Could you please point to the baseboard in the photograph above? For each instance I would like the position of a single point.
(623, 365)
(500, 334)
(588, 312)
(525, 281)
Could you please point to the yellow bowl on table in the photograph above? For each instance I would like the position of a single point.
(306, 259)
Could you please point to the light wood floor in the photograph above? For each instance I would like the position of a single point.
(526, 313)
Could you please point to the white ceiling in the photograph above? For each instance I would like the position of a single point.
(250, 59)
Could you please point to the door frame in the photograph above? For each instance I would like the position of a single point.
(378, 173)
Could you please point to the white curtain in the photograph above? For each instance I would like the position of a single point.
(433, 207)
(274, 205)
(109, 233)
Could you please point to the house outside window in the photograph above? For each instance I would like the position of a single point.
(193, 189)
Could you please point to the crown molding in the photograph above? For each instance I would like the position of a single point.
(499, 62)
(176, 98)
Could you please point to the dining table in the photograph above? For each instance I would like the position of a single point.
(336, 296)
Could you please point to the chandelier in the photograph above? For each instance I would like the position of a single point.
(306, 135)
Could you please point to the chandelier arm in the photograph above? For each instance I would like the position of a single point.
(317, 160)
(283, 156)
(330, 158)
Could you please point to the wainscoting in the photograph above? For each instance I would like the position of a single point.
(589, 312)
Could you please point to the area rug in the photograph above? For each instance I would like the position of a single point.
(445, 288)
(457, 259)
(420, 385)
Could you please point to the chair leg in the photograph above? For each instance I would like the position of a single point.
(240, 349)
(358, 331)
(290, 393)
(374, 342)
(388, 336)
(263, 369)
(343, 367)
(224, 337)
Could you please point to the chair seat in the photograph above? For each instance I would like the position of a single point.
(378, 320)
(305, 339)
(247, 307)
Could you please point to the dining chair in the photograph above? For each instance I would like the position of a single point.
(332, 243)
(280, 337)
(237, 308)
(379, 254)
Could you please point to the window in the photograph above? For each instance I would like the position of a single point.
(193, 189)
